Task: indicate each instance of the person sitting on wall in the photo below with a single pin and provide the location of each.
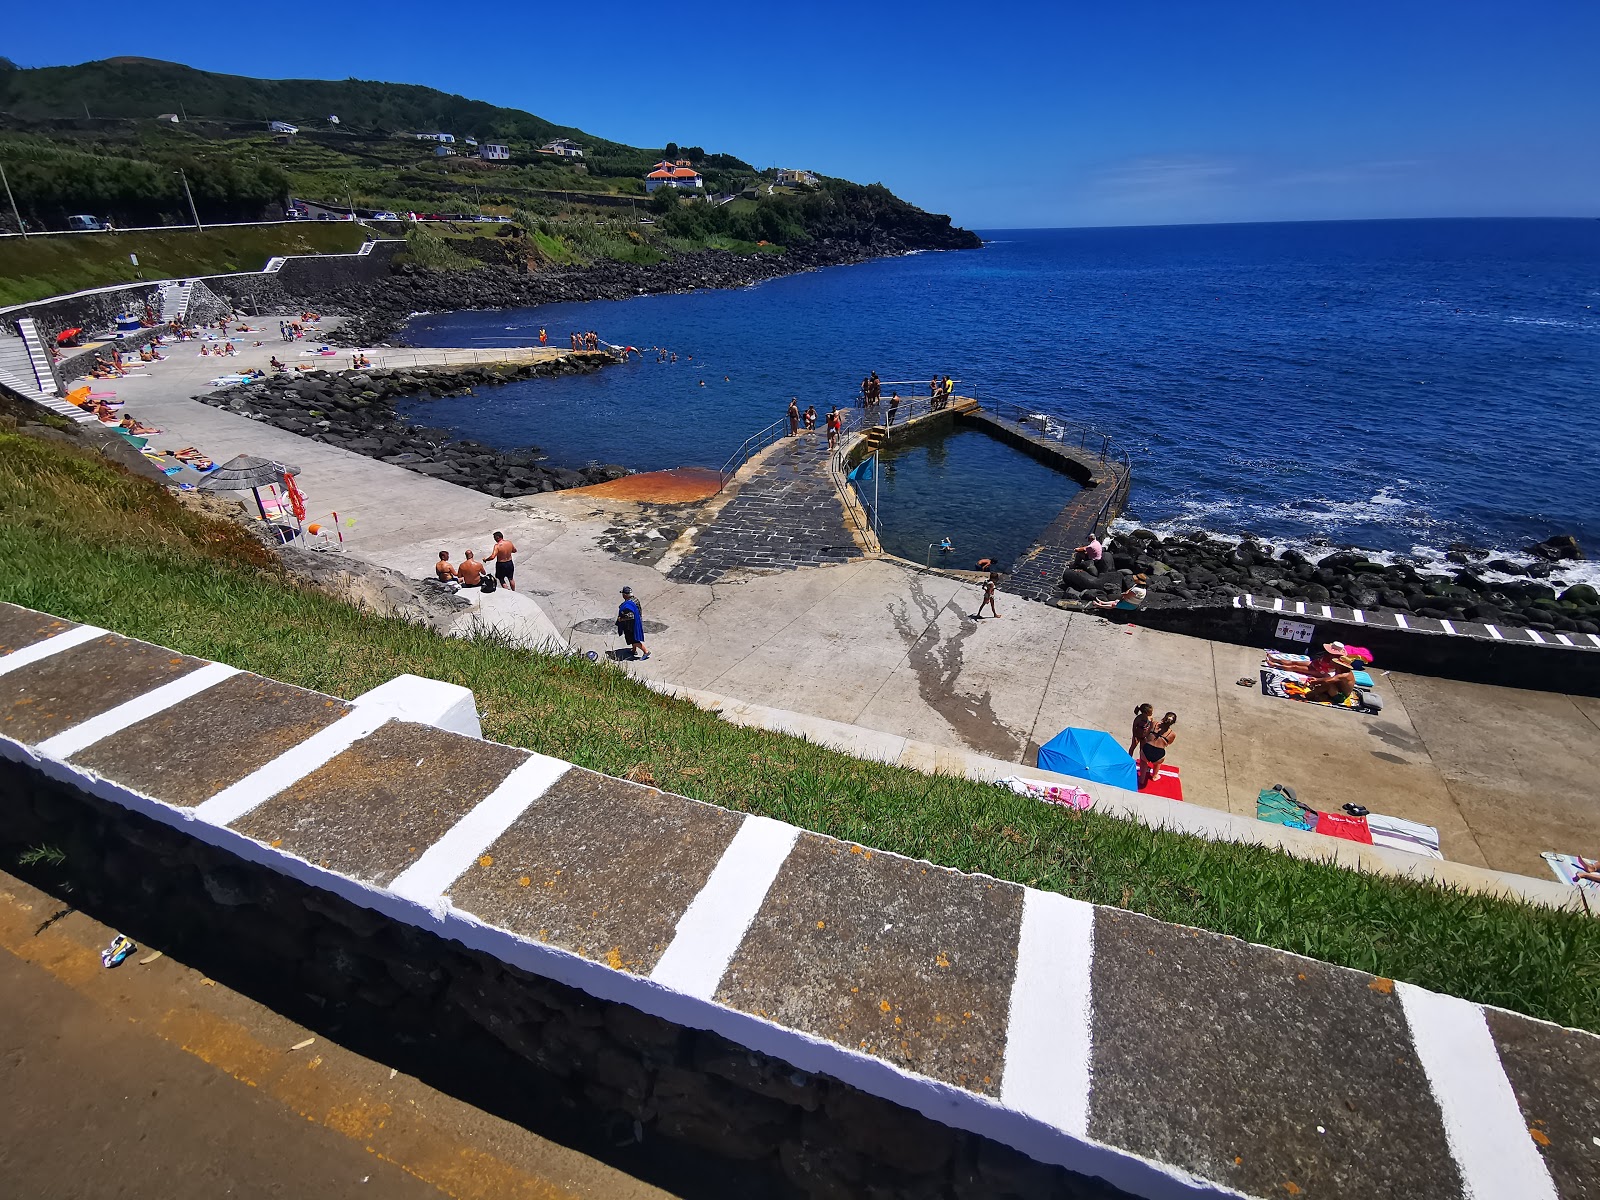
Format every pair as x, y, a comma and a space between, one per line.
1132, 598
1088, 557
443, 570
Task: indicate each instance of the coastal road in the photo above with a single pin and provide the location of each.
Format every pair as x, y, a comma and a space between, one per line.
151, 1082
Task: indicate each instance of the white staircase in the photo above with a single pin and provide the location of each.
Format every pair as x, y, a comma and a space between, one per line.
175, 300
25, 369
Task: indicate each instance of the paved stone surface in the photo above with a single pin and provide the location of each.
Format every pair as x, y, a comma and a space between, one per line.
373, 809
66, 689
20, 627
886, 955
1258, 1069
599, 867
191, 751
787, 514
1553, 1073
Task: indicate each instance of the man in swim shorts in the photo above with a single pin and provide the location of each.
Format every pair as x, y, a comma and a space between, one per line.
443, 569
470, 572
505, 569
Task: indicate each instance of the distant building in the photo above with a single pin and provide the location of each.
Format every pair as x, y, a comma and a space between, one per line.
492, 152
173, 117
282, 127
788, 178
472, 141
332, 120
562, 148
673, 174
447, 138
443, 151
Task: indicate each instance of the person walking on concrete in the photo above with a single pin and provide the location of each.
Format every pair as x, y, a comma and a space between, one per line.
794, 416
989, 586
505, 567
630, 624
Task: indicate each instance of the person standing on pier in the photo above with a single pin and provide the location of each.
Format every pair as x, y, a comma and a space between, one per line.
894, 406
989, 586
630, 624
811, 416
794, 416
505, 567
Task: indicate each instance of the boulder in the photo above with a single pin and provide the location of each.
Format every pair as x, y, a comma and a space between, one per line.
1580, 593
1554, 549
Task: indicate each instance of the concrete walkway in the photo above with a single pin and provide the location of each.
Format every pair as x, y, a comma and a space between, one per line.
1503, 774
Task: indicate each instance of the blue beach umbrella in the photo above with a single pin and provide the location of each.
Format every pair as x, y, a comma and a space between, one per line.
1089, 754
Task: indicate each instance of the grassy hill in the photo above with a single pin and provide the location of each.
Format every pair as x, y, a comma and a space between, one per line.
87, 139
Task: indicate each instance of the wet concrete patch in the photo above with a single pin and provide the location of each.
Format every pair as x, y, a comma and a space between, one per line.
193, 750
20, 627
1553, 1072
1258, 1069
371, 811
885, 955
600, 867
54, 694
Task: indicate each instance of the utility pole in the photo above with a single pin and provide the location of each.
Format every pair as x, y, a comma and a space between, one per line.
21, 227
193, 211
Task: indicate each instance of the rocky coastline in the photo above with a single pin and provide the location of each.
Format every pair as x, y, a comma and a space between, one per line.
355, 410
1197, 569
377, 310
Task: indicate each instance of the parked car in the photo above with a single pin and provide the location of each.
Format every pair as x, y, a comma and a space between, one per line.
385, 216
86, 222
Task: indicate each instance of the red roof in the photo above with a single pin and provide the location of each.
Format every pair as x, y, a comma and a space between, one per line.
686, 173
659, 175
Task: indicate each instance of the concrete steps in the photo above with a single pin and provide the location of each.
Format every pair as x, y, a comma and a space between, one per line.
175, 300
25, 369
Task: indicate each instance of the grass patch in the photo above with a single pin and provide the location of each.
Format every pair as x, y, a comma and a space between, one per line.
145, 565
36, 267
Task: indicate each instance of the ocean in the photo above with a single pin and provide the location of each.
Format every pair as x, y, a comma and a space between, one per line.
1394, 385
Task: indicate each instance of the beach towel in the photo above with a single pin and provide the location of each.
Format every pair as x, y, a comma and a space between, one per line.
1165, 783
1286, 685
1398, 834
1066, 795
1275, 808
1341, 825
1363, 679
1566, 868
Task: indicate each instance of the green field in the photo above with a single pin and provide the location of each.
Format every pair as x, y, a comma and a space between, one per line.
147, 566
36, 267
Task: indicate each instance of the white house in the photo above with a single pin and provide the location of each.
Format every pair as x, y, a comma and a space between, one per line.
471, 141
282, 127
491, 152
562, 148
436, 137
673, 174
792, 178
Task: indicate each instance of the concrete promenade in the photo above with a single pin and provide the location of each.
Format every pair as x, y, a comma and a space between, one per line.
1502, 773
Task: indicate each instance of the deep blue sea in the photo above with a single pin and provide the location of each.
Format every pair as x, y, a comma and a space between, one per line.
1397, 385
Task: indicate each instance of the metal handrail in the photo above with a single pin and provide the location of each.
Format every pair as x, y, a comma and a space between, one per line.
751, 446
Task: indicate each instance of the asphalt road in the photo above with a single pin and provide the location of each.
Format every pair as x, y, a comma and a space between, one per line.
150, 1082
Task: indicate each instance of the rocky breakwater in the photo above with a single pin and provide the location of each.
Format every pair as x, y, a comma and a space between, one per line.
1194, 570
355, 410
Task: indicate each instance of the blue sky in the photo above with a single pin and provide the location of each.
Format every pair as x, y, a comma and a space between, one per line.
1021, 115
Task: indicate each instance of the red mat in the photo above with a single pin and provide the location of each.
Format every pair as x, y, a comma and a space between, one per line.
1166, 784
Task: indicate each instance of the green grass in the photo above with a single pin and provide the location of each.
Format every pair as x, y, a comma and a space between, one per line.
146, 566
36, 267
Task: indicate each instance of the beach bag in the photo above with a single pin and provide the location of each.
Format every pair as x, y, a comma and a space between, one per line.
488, 584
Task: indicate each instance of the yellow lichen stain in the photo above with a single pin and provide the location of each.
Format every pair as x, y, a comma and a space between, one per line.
855, 849
614, 958
1238, 1161
821, 924
1380, 984
1539, 1136
275, 843
1301, 977
525, 881
942, 959
486, 861
867, 854
884, 1005
898, 1021
1291, 1187
855, 989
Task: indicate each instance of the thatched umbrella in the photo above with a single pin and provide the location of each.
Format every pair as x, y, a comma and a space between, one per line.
246, 472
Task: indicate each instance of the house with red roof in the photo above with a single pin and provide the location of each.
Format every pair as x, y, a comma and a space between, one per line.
673, 174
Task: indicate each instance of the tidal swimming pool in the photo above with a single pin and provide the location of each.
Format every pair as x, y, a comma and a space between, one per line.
989, 499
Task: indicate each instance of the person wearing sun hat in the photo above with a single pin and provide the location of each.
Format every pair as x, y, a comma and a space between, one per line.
630, 624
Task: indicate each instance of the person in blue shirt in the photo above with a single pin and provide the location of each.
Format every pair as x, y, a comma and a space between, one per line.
630, 624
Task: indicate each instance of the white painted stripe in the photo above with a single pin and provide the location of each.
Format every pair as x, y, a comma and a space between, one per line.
1277, 604
1563, 639
1534, 634
1483, 1123
290, 767
1593, 638
1448, 628
1048, 1036
115, 720
1359, 617
1300, 607
1401, 622
29, 655
714, 924
441, 864
1327, 612
1495, 633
